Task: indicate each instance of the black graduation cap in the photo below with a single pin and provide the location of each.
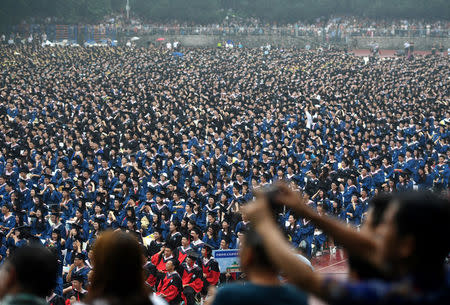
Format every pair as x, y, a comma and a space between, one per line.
99, 220
77, 277
76, 226
25, 231
208, 247
406, 172
80, 256
213, 214
10, 183
192, 255
21, 214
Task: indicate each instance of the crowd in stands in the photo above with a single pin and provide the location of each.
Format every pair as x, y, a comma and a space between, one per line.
333, 29
170, 148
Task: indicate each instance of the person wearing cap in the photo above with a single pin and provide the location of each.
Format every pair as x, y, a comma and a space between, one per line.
7, 220
441, 173
191, 276
17, 237
210, 267
211, 237
54, 223
9, 191
174, 236
24, 194
171, 286
196, 242
182, 251
78, 268
161, 258
77, 293
2, 186
150, 271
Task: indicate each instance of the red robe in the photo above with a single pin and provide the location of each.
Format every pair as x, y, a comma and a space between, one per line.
182, 254
192, 276
160, 262
150, 272
210, 268
171, 287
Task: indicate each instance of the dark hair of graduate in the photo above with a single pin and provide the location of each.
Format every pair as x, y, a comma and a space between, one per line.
118, 275
260, 257
35, 268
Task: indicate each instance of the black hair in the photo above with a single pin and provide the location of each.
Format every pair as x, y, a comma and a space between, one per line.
379, 205
260, 257
36, 269
426, 217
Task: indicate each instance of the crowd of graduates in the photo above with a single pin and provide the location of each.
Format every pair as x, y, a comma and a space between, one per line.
171, 148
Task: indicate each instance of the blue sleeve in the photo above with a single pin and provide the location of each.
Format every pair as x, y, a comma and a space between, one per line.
372, 293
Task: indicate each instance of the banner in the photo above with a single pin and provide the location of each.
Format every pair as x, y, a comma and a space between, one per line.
228, 260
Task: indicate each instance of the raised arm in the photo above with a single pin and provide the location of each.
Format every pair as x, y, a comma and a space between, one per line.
279, 250
357, 243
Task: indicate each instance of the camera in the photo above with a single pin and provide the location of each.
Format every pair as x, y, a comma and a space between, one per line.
271, 192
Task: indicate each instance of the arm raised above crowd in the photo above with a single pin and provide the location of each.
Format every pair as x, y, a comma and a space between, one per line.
280, 251
357, 243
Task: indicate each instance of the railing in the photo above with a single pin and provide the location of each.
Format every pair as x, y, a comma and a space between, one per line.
56, 32
336, 33
288, 31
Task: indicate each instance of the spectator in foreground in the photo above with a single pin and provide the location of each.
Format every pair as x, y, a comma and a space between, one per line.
264, 286
28, 276
409, 226
118, 275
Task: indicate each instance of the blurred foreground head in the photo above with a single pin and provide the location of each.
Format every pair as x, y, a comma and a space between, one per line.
31, 269
118, 276
414, 232
253, 255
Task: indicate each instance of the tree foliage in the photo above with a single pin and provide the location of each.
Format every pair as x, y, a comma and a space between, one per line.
206, 11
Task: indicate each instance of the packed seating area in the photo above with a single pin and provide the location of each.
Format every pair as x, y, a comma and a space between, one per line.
170, 148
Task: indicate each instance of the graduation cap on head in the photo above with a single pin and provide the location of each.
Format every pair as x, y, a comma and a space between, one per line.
213, 214
170, 246
76, 226
208, 247
80, 256
21, 214
406, 172
192, 255
77, 277
123, 171
25, 231
99, 220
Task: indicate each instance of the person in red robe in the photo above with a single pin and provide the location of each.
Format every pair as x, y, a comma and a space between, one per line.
192, 278
170, 288
160, 260
183, 250
210, 268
